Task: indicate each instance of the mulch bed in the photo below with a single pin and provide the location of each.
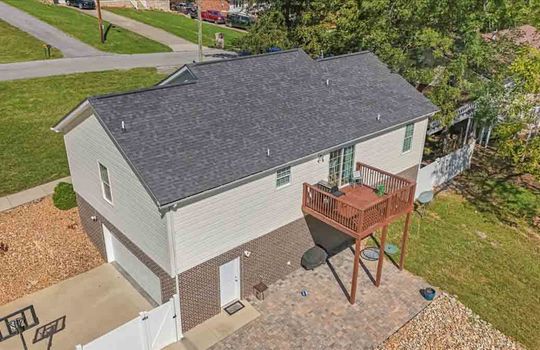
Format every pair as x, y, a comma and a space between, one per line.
448, 324
45, 245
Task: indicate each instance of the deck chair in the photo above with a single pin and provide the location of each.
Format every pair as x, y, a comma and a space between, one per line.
357, 178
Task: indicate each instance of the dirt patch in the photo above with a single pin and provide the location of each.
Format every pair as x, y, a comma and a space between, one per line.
448, 324
42, 246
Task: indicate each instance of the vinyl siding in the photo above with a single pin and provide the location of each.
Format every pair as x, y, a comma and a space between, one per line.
133, 211
214, 225
385, 151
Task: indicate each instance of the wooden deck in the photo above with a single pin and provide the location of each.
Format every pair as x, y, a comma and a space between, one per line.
360, 211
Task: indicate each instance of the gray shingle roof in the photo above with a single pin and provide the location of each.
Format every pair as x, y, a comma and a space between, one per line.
189, 138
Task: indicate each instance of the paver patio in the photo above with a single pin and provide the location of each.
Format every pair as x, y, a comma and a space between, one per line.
325, 319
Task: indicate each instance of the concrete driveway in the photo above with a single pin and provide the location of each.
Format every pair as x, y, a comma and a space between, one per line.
93, 303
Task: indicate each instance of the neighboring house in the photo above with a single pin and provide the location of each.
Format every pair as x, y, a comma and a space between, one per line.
196, 187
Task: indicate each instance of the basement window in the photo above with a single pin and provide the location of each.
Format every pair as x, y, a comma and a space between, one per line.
283, 177
407, 141
105, 183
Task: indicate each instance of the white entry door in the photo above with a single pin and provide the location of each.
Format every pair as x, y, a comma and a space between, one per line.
229, 281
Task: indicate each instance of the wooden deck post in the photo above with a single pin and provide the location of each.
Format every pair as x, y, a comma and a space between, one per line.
404, 240
357, 247
381, 255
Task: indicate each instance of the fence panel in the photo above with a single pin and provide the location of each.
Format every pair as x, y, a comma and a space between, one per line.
152, 330
444, 169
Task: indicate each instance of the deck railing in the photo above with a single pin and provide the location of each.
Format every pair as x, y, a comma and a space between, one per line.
398, 199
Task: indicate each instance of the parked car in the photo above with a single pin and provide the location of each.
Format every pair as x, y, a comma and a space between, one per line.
82, 4
238, 21
213, 16
192, 12
177, 6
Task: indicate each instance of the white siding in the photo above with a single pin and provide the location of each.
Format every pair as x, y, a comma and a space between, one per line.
216, 224
133, 212
384, 152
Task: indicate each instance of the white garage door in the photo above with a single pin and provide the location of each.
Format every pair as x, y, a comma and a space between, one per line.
146, 279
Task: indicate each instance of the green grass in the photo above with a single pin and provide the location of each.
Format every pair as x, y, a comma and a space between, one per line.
32, 154
17, 46
491, 265
85, 28
180, 25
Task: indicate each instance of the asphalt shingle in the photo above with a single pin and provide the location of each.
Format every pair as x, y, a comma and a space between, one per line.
188, 138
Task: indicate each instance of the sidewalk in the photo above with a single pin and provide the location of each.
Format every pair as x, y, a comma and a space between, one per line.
14, 200
61, 66
174, 42
69, 46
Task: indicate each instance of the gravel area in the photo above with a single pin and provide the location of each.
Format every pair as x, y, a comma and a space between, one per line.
448, 324
45, 245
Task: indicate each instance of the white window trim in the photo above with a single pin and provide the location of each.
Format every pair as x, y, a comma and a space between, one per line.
405, 137
99, 164
290, 178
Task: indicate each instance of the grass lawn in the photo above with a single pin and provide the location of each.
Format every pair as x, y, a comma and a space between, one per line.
16, 46
180, 25
492, 263
32, 154
85, 28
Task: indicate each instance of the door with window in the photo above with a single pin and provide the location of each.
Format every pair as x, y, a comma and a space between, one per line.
341, 166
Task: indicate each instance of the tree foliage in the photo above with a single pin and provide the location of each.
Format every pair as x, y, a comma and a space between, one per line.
436, 45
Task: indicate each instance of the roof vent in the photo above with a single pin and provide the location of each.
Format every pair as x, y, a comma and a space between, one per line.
123, 126
327, 82
268, 152
378, 117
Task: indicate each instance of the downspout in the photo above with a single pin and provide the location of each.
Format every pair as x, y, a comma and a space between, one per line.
174, 264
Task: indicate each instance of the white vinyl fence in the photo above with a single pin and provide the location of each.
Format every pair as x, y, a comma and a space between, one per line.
444, 169
152, 330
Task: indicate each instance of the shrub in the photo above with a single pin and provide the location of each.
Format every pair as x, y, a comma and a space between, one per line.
64, 196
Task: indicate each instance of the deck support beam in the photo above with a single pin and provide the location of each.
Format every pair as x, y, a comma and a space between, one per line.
381, 255
404, 240
357, 248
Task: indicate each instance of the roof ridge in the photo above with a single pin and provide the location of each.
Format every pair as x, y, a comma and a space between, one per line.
343, 56
136, 91
297, 49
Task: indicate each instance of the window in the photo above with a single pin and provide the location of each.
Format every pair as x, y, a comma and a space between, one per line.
341, 166
407, 141
105, 183
283, 177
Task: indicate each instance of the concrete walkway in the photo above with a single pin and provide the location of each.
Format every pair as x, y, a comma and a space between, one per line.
90, 304
35, 69
14, 200
69, 46
174, 42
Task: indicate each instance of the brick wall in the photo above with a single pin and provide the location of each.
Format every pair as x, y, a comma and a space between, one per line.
199, 286
94, 231
220, 5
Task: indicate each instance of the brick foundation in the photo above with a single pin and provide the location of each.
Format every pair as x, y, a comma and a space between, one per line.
268, 262
94, 231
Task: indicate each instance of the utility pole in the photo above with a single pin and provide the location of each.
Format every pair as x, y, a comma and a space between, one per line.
199, 16
100, 21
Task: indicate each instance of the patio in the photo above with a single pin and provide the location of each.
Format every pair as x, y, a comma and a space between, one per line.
324, 319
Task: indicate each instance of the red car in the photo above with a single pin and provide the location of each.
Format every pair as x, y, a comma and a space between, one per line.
213, 16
